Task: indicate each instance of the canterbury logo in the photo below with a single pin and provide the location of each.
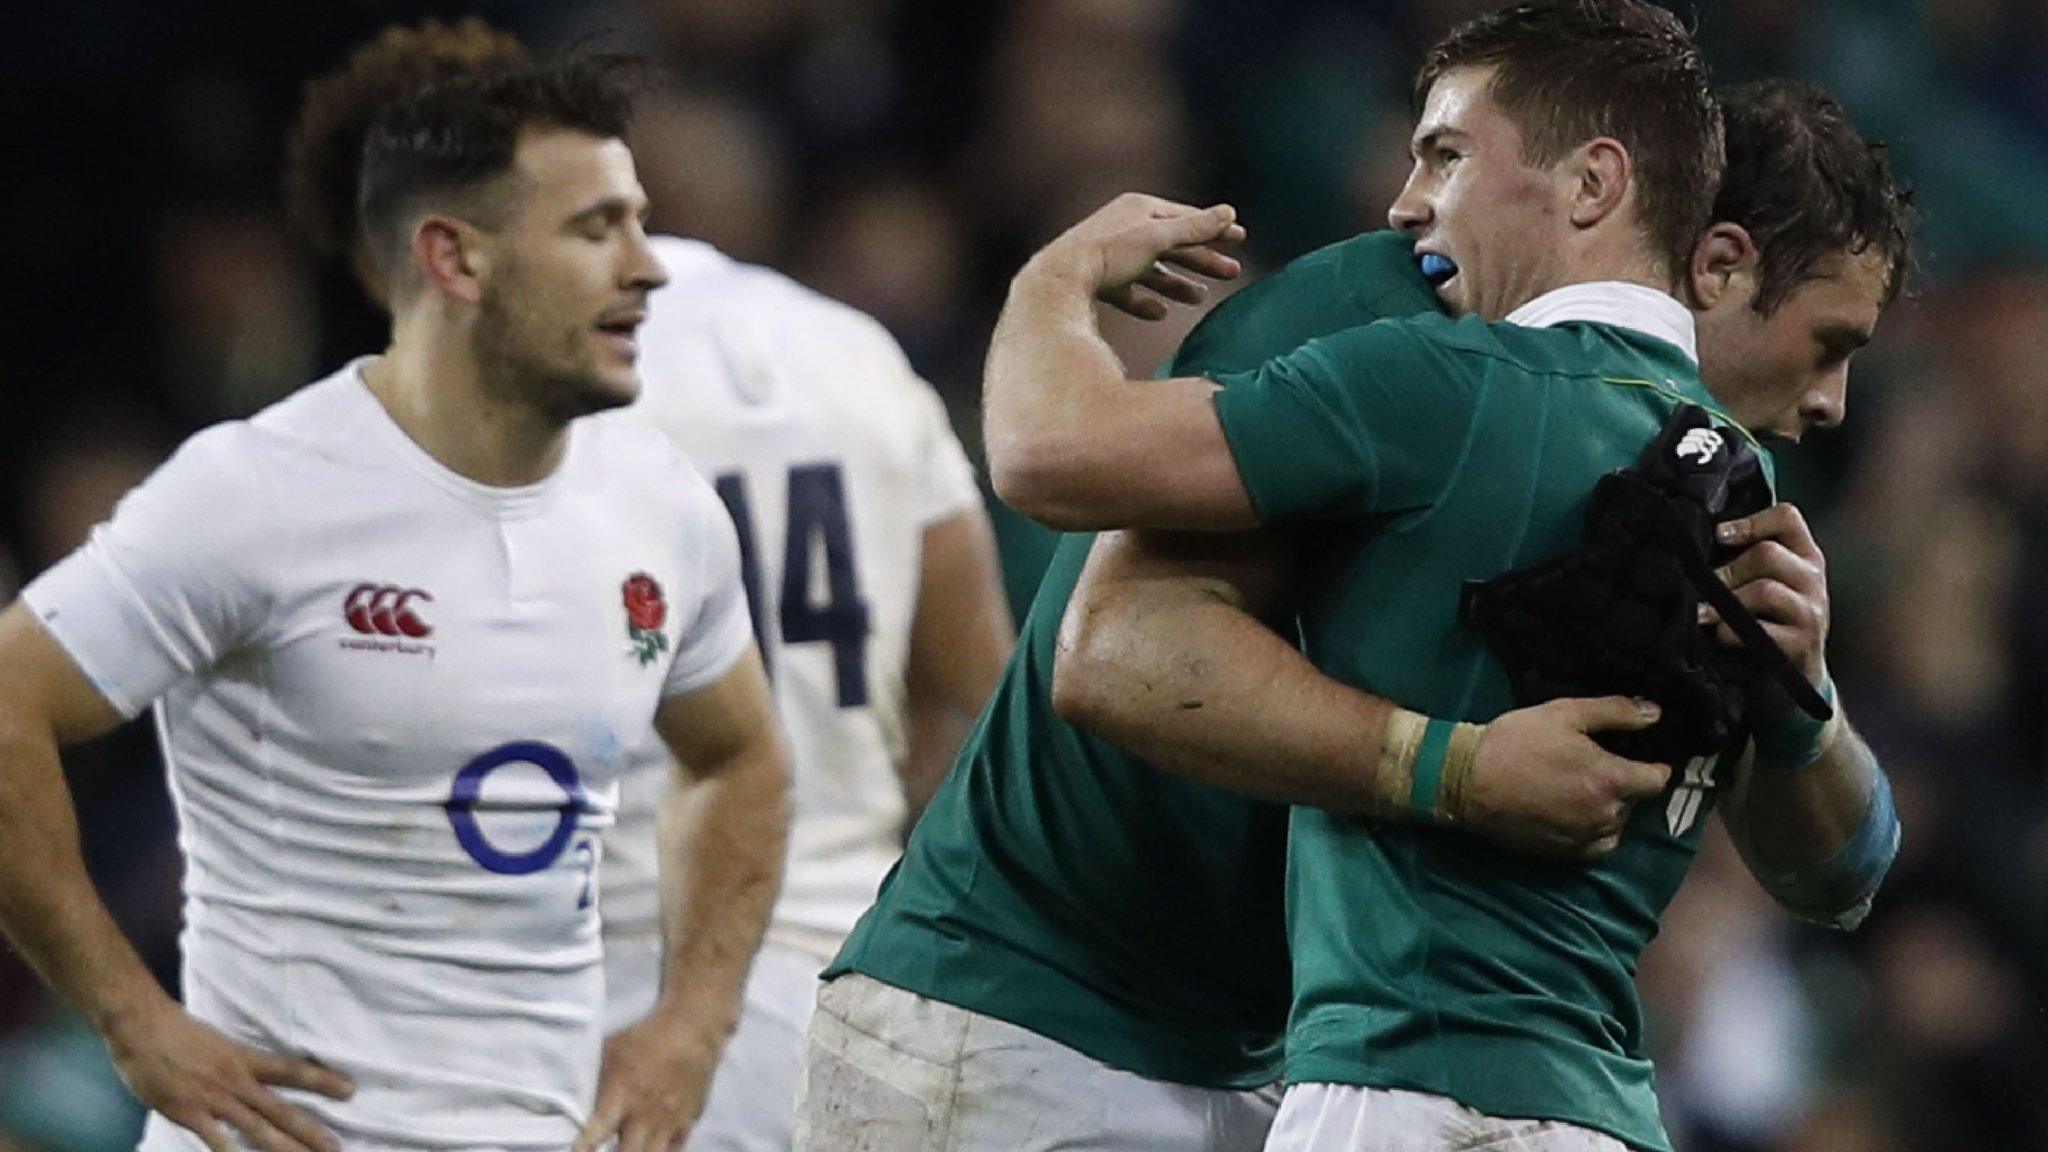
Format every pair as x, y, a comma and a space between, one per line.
1702, 443
386, 610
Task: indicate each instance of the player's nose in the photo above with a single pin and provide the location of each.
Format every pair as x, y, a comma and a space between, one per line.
1410, 211
644, 270
1826, 404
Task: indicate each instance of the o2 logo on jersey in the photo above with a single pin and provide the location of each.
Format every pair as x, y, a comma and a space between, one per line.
386, 610
467, 798
818, 531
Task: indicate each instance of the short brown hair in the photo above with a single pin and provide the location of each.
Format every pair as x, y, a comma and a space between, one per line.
1570, 71
324, 153
452, 139
1805, 183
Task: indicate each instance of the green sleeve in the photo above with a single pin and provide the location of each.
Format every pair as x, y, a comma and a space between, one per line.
1369, 421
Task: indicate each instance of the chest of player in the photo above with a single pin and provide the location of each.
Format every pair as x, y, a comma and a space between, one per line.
406, 654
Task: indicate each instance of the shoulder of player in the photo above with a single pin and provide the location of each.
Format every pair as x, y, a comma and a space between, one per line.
318, 421
1572, 351
1354, 281
630, 454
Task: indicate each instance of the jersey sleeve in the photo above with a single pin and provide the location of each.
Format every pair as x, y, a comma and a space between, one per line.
718, 634
161, 591
1368, 421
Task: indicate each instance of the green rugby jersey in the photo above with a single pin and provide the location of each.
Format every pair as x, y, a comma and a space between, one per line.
1428, 959
1064, 886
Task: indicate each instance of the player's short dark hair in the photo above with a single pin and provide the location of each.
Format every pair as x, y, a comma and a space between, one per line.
324, 152
1570, 71
1805, 183
453, 138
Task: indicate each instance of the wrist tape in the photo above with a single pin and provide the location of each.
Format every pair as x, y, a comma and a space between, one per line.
1425, 768
1796, 739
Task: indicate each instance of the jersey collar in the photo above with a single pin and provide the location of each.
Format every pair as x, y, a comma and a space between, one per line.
1619, 304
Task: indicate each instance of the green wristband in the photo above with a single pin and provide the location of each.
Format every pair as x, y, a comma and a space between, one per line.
1796, 740
1424, 793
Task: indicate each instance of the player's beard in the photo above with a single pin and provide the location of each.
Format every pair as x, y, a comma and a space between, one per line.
515, 362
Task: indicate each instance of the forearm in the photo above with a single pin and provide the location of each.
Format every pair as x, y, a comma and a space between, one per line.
1821, 836
1051, 381
49, 908
960, 641
1076, 445
1194, 684
936, 735
724, 838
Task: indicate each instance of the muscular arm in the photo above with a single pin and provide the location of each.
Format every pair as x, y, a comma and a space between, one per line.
959, 641
176, 1065
1163, 653
1815, 837
1811, 809
1072, 442
48, 905
723, 840
723, 831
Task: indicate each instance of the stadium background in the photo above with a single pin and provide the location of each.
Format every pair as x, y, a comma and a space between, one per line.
905, 155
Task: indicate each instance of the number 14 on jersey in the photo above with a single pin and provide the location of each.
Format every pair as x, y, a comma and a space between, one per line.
818, 534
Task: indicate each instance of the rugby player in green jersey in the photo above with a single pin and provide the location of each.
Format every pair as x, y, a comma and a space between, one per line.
1037, 897
1447, 993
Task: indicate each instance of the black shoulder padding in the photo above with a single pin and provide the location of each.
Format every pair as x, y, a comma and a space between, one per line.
1619, 615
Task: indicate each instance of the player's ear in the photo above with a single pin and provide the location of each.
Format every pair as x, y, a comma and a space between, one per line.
1600, 172
451, 256
1724, 267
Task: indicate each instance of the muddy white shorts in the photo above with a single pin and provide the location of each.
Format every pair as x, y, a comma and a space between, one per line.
891, 1071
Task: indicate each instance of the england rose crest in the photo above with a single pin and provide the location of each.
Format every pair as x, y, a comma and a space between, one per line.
646, 612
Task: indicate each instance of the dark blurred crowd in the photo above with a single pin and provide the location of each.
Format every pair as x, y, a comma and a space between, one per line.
906, 155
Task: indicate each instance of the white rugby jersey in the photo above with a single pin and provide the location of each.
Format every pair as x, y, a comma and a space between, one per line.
832, 457
394, 704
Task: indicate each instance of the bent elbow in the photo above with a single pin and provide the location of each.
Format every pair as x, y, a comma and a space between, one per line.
1083, 680
1062, 482
1019, 481
1077, 691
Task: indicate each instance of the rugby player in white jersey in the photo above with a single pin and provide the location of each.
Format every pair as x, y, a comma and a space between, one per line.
878, 607
400, 630
866, 554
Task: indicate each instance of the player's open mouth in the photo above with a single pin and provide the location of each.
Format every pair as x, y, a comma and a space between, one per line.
622, 329
1436, 268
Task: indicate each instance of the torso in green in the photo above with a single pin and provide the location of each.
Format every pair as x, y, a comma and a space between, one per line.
1059, 884
1427, 959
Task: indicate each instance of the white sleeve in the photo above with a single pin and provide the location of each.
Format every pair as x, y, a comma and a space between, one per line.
715, 639
160, 591
949, 486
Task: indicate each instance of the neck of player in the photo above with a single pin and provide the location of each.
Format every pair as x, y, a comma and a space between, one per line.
438, 394
1599, 256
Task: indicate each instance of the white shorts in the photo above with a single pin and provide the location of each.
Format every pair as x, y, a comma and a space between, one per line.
1348, 1118
891, 1071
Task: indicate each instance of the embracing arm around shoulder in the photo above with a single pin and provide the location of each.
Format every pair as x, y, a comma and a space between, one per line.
1072, 442
1166, 650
